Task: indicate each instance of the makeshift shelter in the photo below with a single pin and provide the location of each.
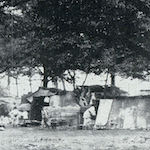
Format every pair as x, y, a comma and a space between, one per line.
130, 113
97, 93
36, 101
123, 112
55, 103
117, 110
64, 109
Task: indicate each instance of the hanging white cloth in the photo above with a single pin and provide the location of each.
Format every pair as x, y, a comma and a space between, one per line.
103, 112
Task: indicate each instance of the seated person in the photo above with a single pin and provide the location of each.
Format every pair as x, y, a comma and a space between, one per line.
89, 117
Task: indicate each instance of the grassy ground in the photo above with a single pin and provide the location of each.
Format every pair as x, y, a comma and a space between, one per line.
45, 139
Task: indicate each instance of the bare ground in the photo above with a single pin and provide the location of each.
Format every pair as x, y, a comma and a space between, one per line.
46, 139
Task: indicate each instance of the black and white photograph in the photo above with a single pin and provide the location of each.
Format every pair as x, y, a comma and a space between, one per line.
74, 74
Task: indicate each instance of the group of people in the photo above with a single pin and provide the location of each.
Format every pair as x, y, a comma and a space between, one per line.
15, 117
18, 116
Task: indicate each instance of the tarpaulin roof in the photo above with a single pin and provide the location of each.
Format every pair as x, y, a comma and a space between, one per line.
45, 92
107, 91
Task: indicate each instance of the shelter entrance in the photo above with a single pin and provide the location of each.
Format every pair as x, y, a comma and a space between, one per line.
36, 108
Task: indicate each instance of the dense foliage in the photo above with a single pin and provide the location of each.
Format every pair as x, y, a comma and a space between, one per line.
63, 35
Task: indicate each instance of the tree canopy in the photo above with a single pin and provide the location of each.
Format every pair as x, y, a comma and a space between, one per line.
92, 36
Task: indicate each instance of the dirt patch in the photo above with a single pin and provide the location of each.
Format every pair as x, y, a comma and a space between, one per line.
37, 139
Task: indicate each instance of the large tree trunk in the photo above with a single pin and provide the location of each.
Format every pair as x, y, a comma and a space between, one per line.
112, 79
85, 79
74, 80
17, 89
55, 82
106, 84
30, 83
8, 83
45, 78
63, 83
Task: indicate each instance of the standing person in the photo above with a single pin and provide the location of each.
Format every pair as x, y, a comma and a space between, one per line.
45, 119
